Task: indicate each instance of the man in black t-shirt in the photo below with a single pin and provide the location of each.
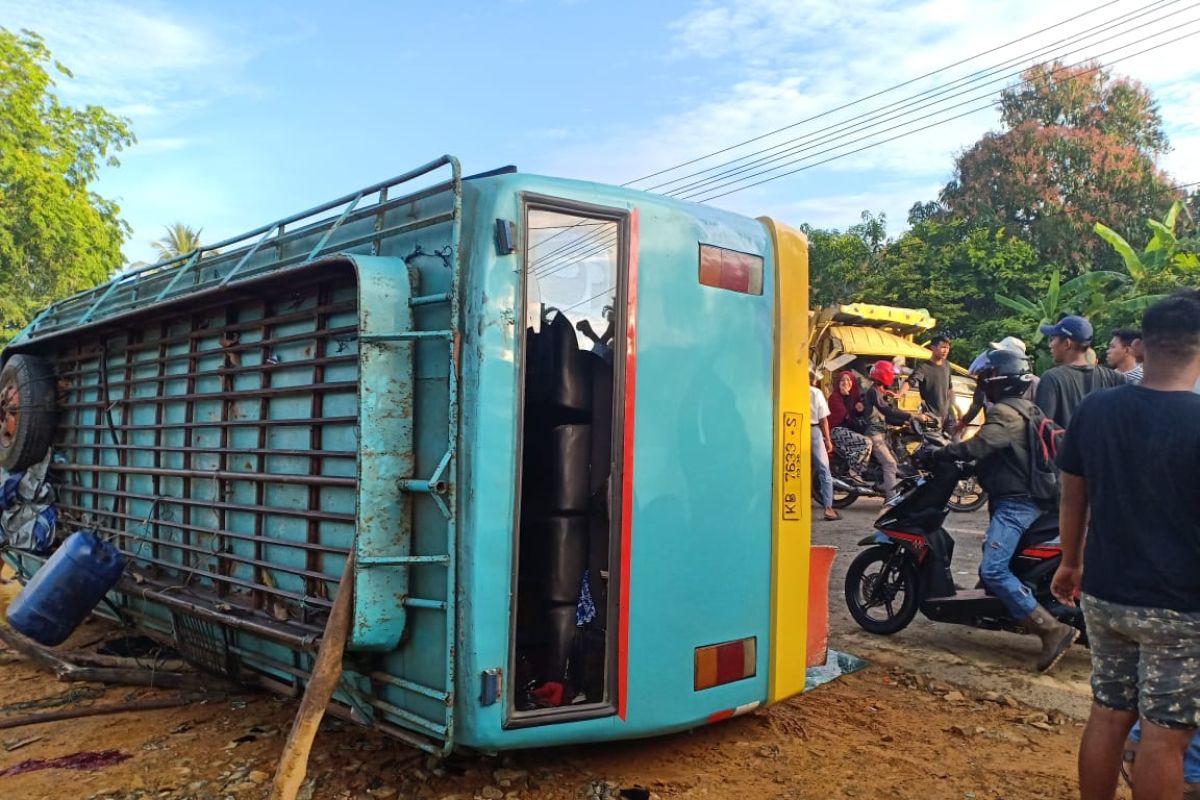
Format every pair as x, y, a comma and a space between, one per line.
932, 379
1134, 501
1063, 387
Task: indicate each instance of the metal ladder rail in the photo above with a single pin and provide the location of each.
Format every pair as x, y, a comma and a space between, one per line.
94, 299
443, 493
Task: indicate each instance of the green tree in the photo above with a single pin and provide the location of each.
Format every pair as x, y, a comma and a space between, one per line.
177, 240
1112, 298
57, 236
840, 261
953, 268
1077, 147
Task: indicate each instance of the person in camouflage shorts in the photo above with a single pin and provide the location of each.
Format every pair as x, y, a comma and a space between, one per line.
1130, 528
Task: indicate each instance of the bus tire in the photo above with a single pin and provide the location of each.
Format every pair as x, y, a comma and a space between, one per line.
27, 411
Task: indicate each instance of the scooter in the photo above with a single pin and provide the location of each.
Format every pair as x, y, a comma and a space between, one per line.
906, 566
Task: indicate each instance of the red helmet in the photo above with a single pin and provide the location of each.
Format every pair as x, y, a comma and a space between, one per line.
883, 372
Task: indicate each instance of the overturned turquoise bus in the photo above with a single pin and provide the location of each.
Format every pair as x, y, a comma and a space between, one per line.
561, 426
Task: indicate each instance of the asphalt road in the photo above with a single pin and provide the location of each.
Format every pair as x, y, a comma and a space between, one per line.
982, 660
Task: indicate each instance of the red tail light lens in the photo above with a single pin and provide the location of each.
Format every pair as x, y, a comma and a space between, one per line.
730, 269
719, 664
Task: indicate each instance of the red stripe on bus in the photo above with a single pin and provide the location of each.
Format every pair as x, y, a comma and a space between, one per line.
720, 715
627, 466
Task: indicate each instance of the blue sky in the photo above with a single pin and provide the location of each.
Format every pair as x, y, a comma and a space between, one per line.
248, 111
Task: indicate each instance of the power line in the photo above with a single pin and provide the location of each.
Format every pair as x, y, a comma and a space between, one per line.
873, 96
580, 252
598, 246
823, 136
884, 141
854, 124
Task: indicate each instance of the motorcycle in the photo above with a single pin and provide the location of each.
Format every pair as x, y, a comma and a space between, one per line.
905, 442
906, 566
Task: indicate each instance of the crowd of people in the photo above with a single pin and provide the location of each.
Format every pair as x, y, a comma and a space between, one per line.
1124, 476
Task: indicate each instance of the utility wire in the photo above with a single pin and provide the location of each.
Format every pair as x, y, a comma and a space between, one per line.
578, 250
1098, 67
874, 95
698, 188
600, 246
878, 116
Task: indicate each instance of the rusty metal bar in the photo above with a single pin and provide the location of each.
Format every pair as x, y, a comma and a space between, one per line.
249, 368
278, 391
189, 430
204, 333
233, 581
348, 330
409, 717
422, 602
315, 441
220, 554
264, 628
179, 273
429, 299
372, 189
330, 516
321, 244
249, 254
415, 688
303, 480
245, 537
381, 209
266, 451
241, 423
160, 389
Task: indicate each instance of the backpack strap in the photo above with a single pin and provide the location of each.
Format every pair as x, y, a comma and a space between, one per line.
1016, 404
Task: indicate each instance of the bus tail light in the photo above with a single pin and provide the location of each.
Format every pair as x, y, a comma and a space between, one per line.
719, 664
730, 269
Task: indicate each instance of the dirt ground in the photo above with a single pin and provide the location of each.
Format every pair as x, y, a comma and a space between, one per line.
942, 713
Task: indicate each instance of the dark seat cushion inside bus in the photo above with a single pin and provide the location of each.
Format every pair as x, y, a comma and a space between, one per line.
561, 620
566, 557
570, 471
570, 382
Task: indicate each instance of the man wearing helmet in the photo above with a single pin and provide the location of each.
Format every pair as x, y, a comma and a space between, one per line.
879, 410
1004, 466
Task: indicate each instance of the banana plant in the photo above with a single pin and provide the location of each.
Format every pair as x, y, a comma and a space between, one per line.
1160, 260
1088, 294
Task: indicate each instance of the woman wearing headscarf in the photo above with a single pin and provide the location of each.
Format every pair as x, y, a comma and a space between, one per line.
846, 423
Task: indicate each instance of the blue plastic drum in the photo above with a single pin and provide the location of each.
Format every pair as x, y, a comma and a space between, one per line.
64, 591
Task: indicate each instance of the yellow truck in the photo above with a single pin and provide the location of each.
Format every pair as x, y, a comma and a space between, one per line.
856, 335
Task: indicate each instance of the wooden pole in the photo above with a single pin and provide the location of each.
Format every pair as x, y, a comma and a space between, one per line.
95, 711
327, 670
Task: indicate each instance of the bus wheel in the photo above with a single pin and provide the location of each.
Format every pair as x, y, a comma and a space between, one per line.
27, 409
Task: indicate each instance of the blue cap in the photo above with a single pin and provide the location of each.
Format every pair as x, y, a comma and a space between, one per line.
1077, 329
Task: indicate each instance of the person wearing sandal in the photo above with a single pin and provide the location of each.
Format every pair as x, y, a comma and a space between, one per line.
822, 448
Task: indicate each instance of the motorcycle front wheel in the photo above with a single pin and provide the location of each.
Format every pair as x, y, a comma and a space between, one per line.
968, 496
881, 589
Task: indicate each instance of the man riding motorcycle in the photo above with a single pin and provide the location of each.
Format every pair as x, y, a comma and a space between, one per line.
1004, 467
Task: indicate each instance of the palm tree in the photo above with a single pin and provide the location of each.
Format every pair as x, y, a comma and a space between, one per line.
178, 240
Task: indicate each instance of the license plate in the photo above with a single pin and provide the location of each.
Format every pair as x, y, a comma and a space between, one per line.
795, 428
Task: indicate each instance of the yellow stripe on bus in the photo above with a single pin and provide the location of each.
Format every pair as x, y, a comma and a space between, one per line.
792, 512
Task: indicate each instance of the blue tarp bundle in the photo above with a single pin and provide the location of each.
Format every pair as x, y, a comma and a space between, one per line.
27, 514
